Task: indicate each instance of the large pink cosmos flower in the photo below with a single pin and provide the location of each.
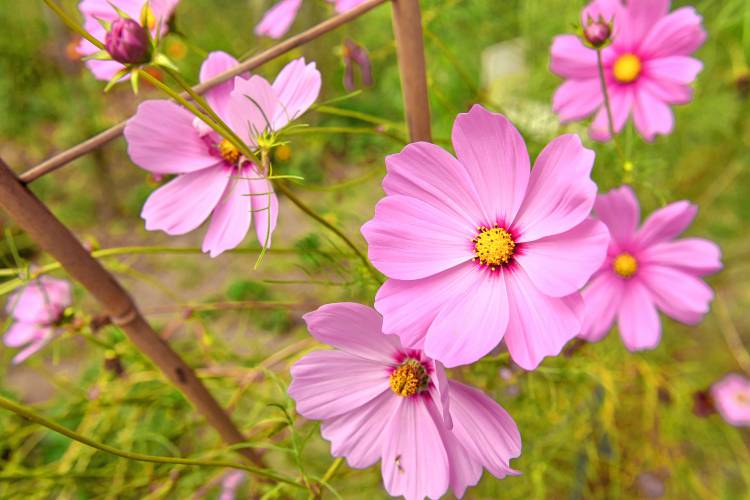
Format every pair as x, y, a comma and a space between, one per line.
646, 270
731, 396
35, 309
478, 249
160, 12
647, 67
213, 179
279, 18
379, 400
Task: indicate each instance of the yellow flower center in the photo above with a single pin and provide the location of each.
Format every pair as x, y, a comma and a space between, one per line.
409, 378
230, 153
493, 246
627, 68
625, 265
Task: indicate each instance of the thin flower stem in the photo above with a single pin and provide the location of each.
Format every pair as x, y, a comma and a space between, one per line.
30, 414
732, 337
309, 211
607, 106
72, 24
332, 470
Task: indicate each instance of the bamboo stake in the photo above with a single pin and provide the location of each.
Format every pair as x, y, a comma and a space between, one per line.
57, 240
407, 28
67, 156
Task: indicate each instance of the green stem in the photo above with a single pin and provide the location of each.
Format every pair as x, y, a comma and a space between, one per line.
72, 24
309, 211
29, 414
607, 106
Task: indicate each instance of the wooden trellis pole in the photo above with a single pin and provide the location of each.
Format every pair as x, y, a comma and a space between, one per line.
52, 236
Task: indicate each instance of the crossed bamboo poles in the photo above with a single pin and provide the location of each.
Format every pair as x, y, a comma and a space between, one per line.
57, 240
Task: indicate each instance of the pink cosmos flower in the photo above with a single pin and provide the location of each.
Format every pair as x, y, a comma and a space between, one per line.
160, 13
278, 19
35, 309
731, 397
479, 249
646, 68
379, 400
646, 271
213, 179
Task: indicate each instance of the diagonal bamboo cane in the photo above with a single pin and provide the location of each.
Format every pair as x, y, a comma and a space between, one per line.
57, 240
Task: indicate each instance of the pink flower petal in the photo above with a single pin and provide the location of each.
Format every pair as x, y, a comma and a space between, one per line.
471, 324
265, 206
601, 299
680, 295
252, 107
677, 69
577, 99
355, 329
425, 298
161, 138
358, 434
21, 333
730, 395
621, 101
218, 97
562, 264
666, 90
693, 255
495, 156
345, 5
678, 33
43, 337
485, 429
409, 239
231, 217
184, 203
296, 87
415, 462
620, 211
560, 193
326, 384
465, 470
278, 19
425, 171
642, 16
651, 115
539, 325
40, 301
571, 59
609, 10
637, 318
666, 223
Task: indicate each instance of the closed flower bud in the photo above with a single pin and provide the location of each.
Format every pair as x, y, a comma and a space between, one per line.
597, 33
127, 42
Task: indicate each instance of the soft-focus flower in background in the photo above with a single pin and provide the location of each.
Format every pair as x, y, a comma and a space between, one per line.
731, 397
647, 270
355, 55
647, 67
380, 401
278, 19
478, 249
213, 179
157, 14
35, 309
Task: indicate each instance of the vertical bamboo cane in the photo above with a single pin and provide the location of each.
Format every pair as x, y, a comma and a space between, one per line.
52, 236
407, 27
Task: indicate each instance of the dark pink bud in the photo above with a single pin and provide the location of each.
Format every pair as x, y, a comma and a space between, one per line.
127, 42
597, 33
356, 55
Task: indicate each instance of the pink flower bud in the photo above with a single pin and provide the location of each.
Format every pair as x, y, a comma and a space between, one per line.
127, 42
597, 33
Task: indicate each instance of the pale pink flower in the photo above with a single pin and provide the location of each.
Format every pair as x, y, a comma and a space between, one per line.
35, 309
646, 68
278, 19
731, 396
646, 271
381, 401
213, 179
230, 484
478, 249
160, 13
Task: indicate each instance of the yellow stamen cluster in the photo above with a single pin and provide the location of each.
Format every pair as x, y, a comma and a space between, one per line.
625, 265
409, 378
627, 68
230, 153
493, 246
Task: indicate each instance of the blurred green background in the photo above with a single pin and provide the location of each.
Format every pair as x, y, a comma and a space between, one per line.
597, 422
